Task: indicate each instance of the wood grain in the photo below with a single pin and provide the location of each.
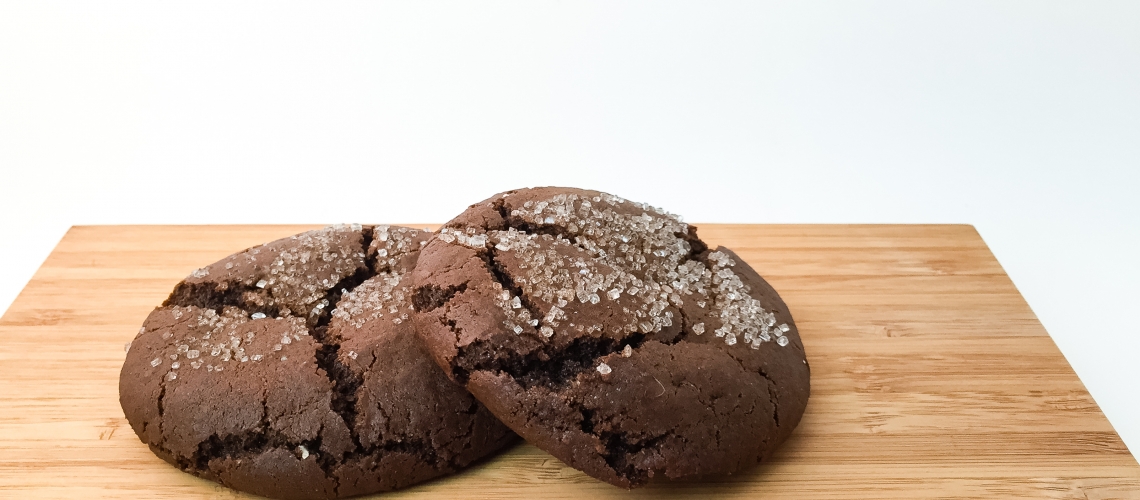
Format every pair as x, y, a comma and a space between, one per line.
931, 377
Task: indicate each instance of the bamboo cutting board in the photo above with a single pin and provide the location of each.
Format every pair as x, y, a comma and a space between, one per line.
931, 377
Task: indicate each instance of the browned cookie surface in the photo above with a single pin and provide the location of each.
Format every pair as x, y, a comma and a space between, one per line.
292, 370
606, 333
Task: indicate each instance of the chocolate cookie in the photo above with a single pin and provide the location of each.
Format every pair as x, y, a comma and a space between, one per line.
291, 370
606, 333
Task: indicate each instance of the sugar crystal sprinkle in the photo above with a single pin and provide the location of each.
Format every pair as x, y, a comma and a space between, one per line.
127, 347
627, 352
782, 341
155, 362
262, 283
171, 376
604, 369
652, 270
257, 315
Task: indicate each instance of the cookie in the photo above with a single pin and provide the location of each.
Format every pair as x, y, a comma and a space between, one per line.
291, 370
606, 333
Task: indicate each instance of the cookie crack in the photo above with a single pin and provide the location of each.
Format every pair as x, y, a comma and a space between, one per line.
471, 410
707, 404
620, 447
346, 382
161, 406
379, 405
421, 449
697, 248
246, 444
501, 275
207, 295
553, 370
250, 442
686, 326
430, 297
346, 284
772, 398
371, 259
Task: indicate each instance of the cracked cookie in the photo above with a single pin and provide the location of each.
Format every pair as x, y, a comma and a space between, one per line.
606, 333
292, 370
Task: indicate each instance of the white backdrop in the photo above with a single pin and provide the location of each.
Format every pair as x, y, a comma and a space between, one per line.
1022, 118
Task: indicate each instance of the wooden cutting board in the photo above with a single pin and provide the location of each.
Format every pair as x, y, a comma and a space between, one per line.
931, 377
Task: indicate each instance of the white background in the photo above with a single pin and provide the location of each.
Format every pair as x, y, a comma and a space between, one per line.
1022, 118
